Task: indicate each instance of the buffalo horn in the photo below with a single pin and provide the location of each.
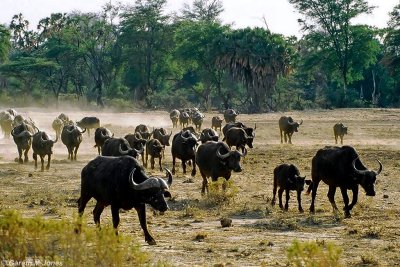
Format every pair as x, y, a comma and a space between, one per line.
301, 122
83, 131
244, 153
123, 152
169, 175
354, 167
255, 126
149, 183
222, 156
380, 167
184, 138
140, 151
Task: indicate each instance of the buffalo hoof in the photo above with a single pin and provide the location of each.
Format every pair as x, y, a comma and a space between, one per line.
47, 168
42, 169
347, 214
301, 210
20, 161
151, 242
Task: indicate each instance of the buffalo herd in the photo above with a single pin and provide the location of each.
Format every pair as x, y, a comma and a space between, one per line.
117, 178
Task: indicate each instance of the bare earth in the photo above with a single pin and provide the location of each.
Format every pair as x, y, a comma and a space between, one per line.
190, 234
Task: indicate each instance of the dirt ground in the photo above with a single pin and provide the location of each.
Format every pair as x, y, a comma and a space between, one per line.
190, 233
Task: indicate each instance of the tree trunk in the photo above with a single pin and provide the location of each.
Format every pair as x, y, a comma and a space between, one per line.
375, 95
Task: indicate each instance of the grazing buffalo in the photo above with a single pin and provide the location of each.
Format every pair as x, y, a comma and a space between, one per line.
184, 119
6, 120
89, 123
42, 145
238, 137
341, 167
71, 136
144, 131
287, 127
208, 135
137, 142
216, 122
197, 119
215, 160
249, 131
339, 130
230, 115
100, 136
287, 177
119, 147
174, 116
22, 135
122, 183
183, 147
155, 149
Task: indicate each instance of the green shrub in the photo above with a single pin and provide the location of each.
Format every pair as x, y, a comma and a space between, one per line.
221, 192
313, 254
39, 240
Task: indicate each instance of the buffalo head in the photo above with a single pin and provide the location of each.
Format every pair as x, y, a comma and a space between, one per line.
366, 178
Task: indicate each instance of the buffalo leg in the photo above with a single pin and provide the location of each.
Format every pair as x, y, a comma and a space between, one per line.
299, 201
315, 184
274, 194
82, 201
287, 199
26, 155
159, 163
204, 188
336, 137
290, 137
173, 165
98, 209
146, 159
355, 197
42, 163
280, 192
331, 197
184, 166
281, 136
341, 139
194, 168
115, 216
141, 211
346, 202
35, 159
48, 161
20, 155
152, 162
76, 151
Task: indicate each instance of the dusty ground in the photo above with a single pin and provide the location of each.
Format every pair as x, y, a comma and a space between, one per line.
190, 232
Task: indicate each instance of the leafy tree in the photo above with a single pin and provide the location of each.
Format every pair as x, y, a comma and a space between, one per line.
330, 22
4, 43
203, 10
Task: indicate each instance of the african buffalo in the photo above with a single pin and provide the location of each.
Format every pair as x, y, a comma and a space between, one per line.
174, 116
144, 131
249, 130
216, 122
197, 119
154, 148
161, 135
184, 119
57, 126
230, 115
100, 136
237, 137
42, 145
22, 135
71, 136
339, 130
287, 127
215, 160
183, 147
208, 135
137, 142
122, 183
341, 167
89, 123
287, 177
119, 147
6, 121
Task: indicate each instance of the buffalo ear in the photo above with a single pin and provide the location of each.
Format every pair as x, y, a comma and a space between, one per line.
308, 182
167, 194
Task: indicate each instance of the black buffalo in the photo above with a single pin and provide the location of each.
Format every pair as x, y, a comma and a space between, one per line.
184, 119
22, 135
215, 160
174, 116
183, 147
155, 149
89, 123
42, 145
249, 130
71, 136
216, 122
287, 178
341, 167
119, 147
208, 135
161, 135
122, 183
339, 130
137, 142
197, 119
144, 131
287, 127
238, 137
230, 115
100, 136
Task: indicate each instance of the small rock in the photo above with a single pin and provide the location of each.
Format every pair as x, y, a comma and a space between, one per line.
270, 244
226, 222
385, 196
30, 174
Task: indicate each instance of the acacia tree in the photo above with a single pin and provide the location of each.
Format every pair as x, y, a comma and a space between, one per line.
330, 21
202, 10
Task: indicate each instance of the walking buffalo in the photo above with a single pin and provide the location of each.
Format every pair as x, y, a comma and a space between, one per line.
42, 145
122, 183
183, 147
6, 120
230, 115
237, 137
287, 127
137, 142
341, 167
174, 116
249, 131
22, 135
71, 136
184, 119
197, 119
339, 130
144, 131
215, 160
155, 149
161, 135
100, 136
208, 135
287, 177
216, 122
89, 123
119, 147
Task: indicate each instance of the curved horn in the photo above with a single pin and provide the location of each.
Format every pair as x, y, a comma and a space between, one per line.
83, 131
123, 152
301, 122
184, 138
149, 183
139, 151
17, 135
354, 167
255, 126
222, 156
209, 136
169, 175
244, 153
380, 168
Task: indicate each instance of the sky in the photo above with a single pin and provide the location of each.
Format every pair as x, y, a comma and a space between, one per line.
279, 15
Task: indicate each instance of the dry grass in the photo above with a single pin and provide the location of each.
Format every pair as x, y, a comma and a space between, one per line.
261, 234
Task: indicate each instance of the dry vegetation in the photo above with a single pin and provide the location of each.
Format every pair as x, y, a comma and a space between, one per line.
190, 233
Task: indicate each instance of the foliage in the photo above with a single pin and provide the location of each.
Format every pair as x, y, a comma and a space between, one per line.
221, 192
40, 240
313, 254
